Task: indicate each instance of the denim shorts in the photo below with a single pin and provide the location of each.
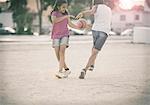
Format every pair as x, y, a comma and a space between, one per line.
99, 39
61, 41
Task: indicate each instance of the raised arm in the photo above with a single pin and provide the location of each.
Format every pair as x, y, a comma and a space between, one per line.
87, 12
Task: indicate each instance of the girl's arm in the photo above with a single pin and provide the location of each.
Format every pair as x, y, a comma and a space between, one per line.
58, 19
72, 25
87, 12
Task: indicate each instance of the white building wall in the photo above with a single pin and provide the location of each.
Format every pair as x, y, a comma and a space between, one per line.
146, 19
119, 25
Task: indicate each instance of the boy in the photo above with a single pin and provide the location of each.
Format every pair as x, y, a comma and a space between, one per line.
100, 30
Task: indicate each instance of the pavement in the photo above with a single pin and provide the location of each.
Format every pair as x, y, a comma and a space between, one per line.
46, 38
28, 66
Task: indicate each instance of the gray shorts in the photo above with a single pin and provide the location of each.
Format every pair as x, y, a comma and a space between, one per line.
61, 41
99, 39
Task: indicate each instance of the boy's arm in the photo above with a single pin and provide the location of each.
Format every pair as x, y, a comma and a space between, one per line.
88, 26
87, 12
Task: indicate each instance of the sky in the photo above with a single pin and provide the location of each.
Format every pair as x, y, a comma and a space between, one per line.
128, 4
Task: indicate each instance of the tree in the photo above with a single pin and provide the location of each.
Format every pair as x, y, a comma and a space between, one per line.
21, 16
79, 5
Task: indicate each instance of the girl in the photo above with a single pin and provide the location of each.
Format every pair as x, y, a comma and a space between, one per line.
60, 34
100, 29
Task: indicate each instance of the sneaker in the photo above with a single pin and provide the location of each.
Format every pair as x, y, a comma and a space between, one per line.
82, 75
91, 68
66, 73
60, 75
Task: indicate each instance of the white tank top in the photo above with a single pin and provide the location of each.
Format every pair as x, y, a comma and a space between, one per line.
102, 19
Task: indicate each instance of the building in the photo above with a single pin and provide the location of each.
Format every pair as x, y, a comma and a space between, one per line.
33, 5
122, 20
127, 19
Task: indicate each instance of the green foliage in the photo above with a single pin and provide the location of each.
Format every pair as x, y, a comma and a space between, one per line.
18, 4
75, 6
52, 2
21, 16
78, 6
74, 10
24, 21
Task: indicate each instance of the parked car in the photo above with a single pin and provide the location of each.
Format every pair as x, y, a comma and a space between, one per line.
7, 31
127, 32
111, 33
85, 32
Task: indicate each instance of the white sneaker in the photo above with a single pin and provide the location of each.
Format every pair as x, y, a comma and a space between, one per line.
82, 75
60, 75
66, 73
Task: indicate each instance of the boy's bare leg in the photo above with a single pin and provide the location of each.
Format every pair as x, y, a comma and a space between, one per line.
92, 58
90, 62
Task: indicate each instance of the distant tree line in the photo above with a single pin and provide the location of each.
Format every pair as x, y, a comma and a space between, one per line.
23, 18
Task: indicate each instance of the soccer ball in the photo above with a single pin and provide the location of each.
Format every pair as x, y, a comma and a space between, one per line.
81, 23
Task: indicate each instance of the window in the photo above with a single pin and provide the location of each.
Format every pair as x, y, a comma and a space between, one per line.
137, 17
122, 17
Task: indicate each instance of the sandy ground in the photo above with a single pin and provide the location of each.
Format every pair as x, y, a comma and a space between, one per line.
121, 75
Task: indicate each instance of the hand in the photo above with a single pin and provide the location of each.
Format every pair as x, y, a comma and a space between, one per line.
88, 26
80, 15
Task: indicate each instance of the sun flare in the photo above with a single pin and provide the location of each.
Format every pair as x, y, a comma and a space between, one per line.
128, 4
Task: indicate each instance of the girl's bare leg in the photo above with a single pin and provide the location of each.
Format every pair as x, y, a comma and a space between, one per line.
57, 49
62, 63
